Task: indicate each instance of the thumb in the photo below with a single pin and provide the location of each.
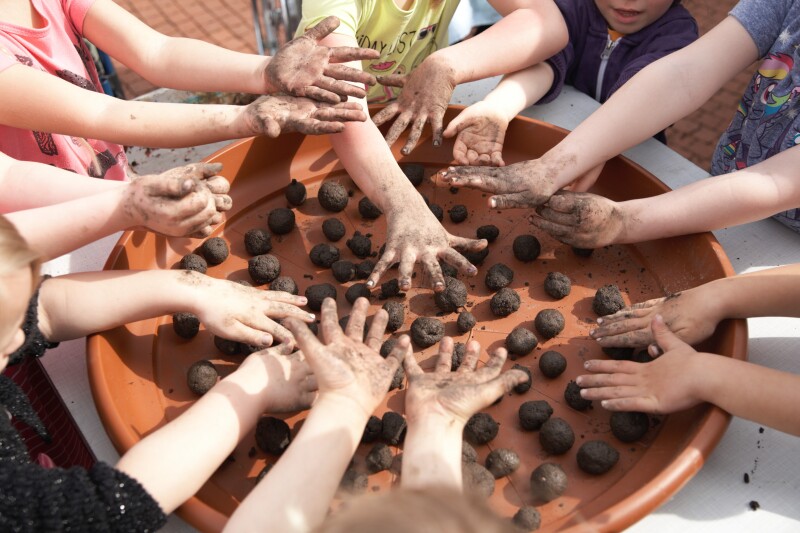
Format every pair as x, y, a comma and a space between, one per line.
209, 170
455, 125
174, 186
665, 339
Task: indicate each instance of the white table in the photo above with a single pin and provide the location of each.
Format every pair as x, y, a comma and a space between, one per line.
716, 499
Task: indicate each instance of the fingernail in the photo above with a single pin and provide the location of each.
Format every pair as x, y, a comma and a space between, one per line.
592, 332
439, 285
437, 143
582, 391
587, 364
312, 316
370, 284
492, 203
303, 300
472, 271
604, 404
599, 320
266, 340
578, 381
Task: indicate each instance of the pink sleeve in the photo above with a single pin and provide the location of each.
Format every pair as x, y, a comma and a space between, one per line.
75, 11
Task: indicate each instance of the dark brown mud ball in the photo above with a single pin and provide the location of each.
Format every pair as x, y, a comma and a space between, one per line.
372, 431
257, 241
629, 426
360, 245
324, 254
448, 270
333, 196
397, 315
527, 519
201, 376
459, 350
364, 269
280, 221
552, 364
354, 482
556, 436
315, 294
264, 268
397, 379
549, 322
477, 479
481, 428
582, 252
557, 285
356, 291
390, 289
525, 386
379, 458
642, 357
502, 462
504, 302
284, 284
295, 193
437, 211
468, 453
533, 414
387, 347
607, 300
572, 395
465, 322
458, 213
272, 435
215, 250
452, 297
426, 331
521, 341
186, 325
498, 276
526, 248
414, 172
343, 271
597, 457
227, 346
490, 232
368, 210
393, 430
193, 262
548, 482
619, 353
476, 258
333, 229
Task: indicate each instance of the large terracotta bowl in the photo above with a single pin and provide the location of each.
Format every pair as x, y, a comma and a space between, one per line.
138, 371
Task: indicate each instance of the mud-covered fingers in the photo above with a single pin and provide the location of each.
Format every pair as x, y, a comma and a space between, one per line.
414, 134
445, 358
406, 269
281, 296
493, 367
349, 74
643, 404
393, 80
311, 126
437, 126
434, 270
563, 201
620, 326
515, 200
341, 88
274, 309
358, 317
559, 217
278, 332
384, 263
306, 341
399, 353
319, 94
471, 355
376, 330
600, 380
497, 159
462, 264
564, 234
256, 332
491, 390
410, 363
329, 322
398, 127
321, 30
386, 114
345, 112
464, 244
610, 366
222, 202
632, 339
344, 54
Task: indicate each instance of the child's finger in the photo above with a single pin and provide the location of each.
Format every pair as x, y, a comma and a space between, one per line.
632, 339
325, 27
436, 119
563, 201
463, 244
217, 185
385, 114
345, 54
284, 310
610, 366
414, 134
615, 379
516, 200
320, 95
281, 296
384, 263
490, 391
664, 337
620, 327
462, 264
630, 404
410, 363
434, 270
445, 358
209, 170
564, 234
471, 355
393, 80
340, 88
306, 341
377, 329
311, 126
497, 159
345, 73
329, 322
494, 366
398, 354
559, 217
358, 317
397, 129
340, 113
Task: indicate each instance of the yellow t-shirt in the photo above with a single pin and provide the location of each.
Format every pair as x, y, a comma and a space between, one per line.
404, 38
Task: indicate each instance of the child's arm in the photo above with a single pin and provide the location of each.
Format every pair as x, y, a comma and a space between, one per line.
682, 378
352, 379
76, 305
522, 38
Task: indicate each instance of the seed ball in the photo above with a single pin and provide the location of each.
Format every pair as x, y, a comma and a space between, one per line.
459, 350
194, 262
426, 331
343, 271
257, 241
582, 252
333, 196
465, 322
476, 258
533, 414
379, 458
390, 289
489, 232
356, 291
296, 193
281, 220
481, 428
360, 245
333, 229
264, 268
354, 482
448, 270
387, 347
526, 248
373, 429
498, 276
525, 386
629, 426
186, 325
437, 211
477, 480
504, 302
607, 300
552, 364
458, 213
368, 210
364, 269
227, 346
572, 395
397, 379
549, 322
315, 294
215, 250
452, 297
272, 435
619, 353
394, 428
324, 254
557, 285
397, 315
527, 519
521, 341
468, 453
414, 172
556, 436
202, 375
284, 284
548, 482
597, 457
502, 462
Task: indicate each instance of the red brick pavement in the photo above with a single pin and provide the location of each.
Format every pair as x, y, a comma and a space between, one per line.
229, 24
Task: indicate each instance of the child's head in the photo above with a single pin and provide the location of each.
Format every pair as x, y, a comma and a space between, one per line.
630, 16
17, 266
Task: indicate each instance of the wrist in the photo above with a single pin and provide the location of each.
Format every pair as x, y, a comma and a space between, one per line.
262, 74
721, 298
345, 407
442, 61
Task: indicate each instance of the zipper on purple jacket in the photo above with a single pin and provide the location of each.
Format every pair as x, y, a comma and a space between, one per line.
604, 55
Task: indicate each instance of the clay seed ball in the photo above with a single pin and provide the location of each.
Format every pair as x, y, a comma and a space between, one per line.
448, 270
582, 252
333, 196
372, 430
379, 458
360, 245
264, 268
476, 258
490, 232
504, 302
552, 364
465, 322
498, 276
607, 300
414, 172
227, 346
526, 248
459, 349
284, 284
343, 271
501, 462
556, 436
296, 193
477, 480
272, 435
397, 379
597, 457
452, 297
437, 211
525, 386
458, 213
257, 241
368, 210
193, 262
356, 291
397, 315
548, 482
324, 254
521, 341
557, 285
186, 325
354, 482
394, 428
426, 331
481, 428
215, 250
315, 294
533, 414
572, 395
468, 453
364, 269
618, 353
387, 347
280, 220
629, 426
201, 376
390, 288
549, 322
333, 229
527, 519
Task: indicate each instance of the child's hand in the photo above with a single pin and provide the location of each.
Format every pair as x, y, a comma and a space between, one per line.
348, 369
481, 131
672, 382
581, 219
426, 93
304, 68
456, 396
273, 115
290, 384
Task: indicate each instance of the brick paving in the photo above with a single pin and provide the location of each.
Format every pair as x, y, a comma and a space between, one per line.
229, 23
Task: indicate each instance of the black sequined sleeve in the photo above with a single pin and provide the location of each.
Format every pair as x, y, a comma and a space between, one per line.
35, 344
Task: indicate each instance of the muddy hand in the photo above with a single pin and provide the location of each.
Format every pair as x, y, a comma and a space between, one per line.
480, 132
273, 115
424, 98
291, 385
302, 67
582, 220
